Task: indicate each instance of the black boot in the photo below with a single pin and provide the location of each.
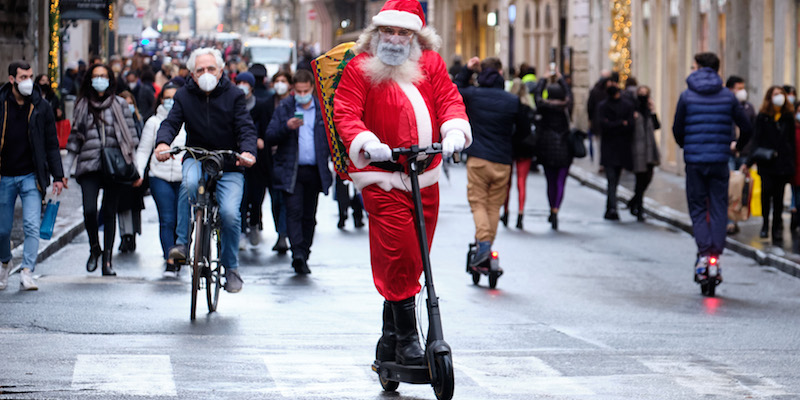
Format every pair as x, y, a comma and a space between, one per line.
764, 229
553, 220
107, 268
519, 221
504, 218
408, 350
94, 254
388, 341
281, 246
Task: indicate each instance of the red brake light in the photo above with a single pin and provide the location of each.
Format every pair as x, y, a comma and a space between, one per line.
712, 260
494, 255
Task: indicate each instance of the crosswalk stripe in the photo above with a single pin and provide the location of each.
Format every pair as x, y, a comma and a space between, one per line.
721, 381
134, 375
515, 375
298, 374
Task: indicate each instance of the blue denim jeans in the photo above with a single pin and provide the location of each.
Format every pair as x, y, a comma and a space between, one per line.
167, 197
25, 187
230, 189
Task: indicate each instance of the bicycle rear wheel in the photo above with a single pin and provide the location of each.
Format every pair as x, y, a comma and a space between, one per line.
197, 259
215, 273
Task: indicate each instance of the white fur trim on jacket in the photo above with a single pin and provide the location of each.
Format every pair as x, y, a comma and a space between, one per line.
400, 19
421, 113
394, 180
457, 124
355, 153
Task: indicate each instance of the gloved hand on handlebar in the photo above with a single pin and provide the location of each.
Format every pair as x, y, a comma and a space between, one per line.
454, 142
378, 151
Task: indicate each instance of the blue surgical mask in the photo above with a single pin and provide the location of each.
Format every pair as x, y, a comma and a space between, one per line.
304, 99
132, 108
168, 103
100, 84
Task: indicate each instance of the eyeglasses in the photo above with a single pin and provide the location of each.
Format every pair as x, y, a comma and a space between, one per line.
386, 30
211, 70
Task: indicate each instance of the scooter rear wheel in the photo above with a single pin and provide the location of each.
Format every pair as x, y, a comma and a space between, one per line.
387, 385
708, 288
493, 279
444, 383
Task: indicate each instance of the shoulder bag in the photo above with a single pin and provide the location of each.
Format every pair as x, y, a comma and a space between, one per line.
113, 163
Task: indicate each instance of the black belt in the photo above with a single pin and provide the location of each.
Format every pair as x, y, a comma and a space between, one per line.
422, 165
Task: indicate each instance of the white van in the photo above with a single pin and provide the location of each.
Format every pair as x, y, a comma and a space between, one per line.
273, 53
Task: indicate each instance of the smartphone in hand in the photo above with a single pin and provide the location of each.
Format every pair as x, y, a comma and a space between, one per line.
298, 115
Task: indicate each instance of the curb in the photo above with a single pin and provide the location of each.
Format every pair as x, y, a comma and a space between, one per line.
682, 221
65, 233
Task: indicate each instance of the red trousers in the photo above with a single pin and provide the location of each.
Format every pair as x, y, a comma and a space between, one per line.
393, 245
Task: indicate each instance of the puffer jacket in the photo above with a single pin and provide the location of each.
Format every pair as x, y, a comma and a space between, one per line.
84, 141
703, 119
778, 136
170, 170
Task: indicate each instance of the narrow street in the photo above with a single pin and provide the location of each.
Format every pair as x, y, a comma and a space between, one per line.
598, 310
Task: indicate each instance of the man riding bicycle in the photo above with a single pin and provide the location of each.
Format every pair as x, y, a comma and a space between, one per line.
215, 116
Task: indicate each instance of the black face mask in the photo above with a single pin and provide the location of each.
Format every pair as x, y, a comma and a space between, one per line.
644, 102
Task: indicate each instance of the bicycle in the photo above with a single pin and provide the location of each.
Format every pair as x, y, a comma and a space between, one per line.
205, 248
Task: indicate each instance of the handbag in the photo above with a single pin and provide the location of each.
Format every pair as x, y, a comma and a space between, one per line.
49, 220
576, 144
763, 154
113, 163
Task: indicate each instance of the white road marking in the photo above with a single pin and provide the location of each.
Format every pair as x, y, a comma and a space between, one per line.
135, 375
515, 375
718, 381
298, 375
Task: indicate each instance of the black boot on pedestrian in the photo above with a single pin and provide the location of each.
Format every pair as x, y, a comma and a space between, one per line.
408, 351
764, 229
519, 221
553, 221
611, 215
388, 340
340, 225
504, 218
281, 246
94, 255
108, 270
358, 220
777, 233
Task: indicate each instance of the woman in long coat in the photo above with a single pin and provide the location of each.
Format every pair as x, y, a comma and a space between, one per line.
645, 150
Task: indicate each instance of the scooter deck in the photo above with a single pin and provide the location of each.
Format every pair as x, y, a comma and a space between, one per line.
392, 371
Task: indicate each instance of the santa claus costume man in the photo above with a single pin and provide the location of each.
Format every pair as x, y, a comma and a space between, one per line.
396, 93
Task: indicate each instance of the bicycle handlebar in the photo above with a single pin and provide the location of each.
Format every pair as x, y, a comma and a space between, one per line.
198, 152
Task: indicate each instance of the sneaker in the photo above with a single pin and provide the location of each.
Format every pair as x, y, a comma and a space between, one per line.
5, 269
171, 272
26, 281
177, 252
254, 235
233, 282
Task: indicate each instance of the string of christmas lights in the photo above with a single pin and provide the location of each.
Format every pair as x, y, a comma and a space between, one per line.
620, 49
55, 43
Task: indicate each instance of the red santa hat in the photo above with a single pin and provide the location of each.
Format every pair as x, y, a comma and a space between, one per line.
406, 14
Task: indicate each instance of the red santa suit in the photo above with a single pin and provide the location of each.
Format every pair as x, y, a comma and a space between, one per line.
398, 114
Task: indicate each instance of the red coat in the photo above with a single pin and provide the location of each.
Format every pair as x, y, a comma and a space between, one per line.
397, 114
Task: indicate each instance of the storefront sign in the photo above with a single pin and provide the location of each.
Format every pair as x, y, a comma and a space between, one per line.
84, 9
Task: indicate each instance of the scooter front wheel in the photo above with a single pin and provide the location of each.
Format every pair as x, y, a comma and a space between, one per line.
387, 385
443, 383
708, 288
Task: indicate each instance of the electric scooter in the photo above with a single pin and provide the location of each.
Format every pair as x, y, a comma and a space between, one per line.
438, 368
490, 267
710, 279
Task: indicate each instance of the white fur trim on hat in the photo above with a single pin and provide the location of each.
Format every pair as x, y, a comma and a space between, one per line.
400, 19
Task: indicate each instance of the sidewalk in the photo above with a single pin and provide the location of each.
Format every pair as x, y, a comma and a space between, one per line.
665, 200
69, 223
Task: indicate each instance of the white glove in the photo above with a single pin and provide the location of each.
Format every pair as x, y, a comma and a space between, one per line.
453, 143
377, 151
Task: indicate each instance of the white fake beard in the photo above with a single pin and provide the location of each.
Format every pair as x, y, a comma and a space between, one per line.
378, 71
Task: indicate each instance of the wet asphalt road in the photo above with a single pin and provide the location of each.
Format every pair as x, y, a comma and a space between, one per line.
598, 310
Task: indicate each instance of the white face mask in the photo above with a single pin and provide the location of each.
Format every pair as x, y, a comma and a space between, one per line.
741, 95
207, 82
244, 88
132, 85
778, 100
791, 99
25, 87
281, 88
168, 103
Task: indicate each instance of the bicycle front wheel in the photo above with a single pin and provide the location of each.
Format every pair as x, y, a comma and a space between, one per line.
215, 273
198, 258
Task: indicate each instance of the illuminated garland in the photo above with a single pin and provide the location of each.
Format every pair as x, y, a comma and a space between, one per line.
111, 16
55, 43
620, 50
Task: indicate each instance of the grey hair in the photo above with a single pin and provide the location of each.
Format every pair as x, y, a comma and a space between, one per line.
205, 50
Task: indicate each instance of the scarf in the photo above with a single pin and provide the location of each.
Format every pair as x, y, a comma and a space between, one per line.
123, 135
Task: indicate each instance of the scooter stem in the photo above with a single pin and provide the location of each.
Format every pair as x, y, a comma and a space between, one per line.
434, 318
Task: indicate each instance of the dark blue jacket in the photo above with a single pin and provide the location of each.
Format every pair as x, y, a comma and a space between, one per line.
496, 116
215, 121
285, 160
703, 119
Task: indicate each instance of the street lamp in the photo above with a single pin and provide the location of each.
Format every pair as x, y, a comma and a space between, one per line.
491, 19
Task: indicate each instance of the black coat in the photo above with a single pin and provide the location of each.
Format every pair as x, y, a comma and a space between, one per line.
285, 159
498, 119
145, 96
778, 136
552, 144
596, 96
42, 135
215, 121
261, 114
615, 118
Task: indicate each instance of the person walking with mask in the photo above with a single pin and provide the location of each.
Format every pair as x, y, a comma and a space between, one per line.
29, 156
101, 119
282, 84
301, 164
616, 125
737, 85
774, 131
165, 178
645, 149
